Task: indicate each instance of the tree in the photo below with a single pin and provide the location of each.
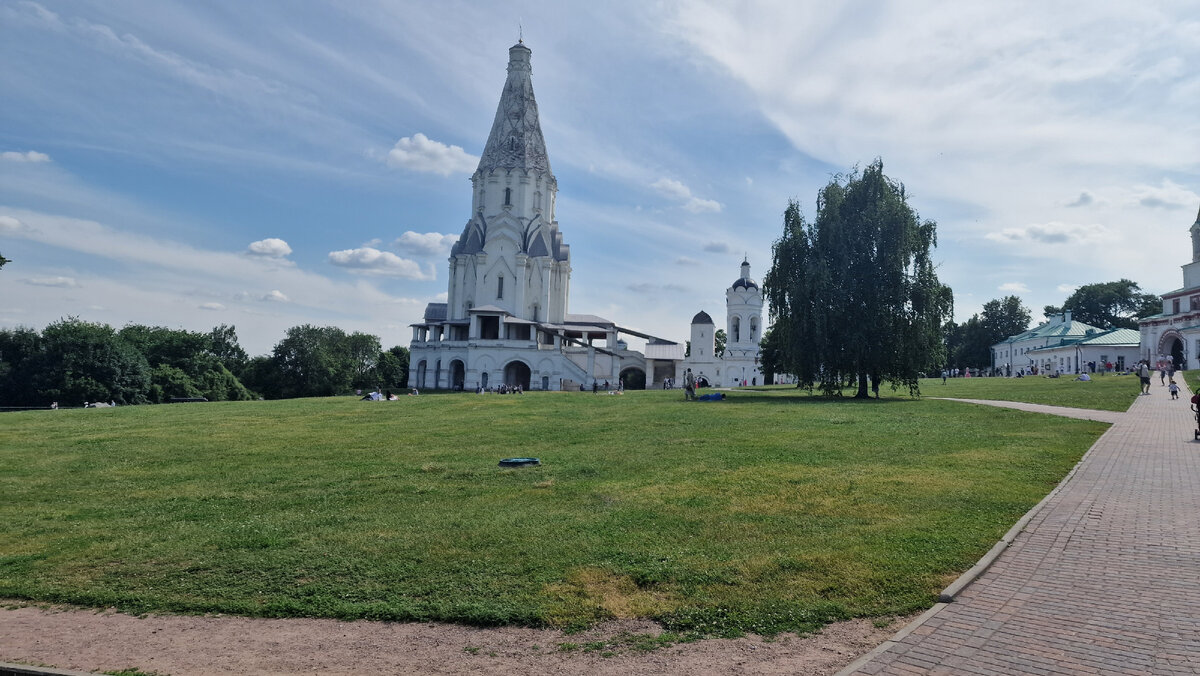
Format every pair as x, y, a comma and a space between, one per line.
1110, 305
854, 296
1004, 317
20, 349
393, 367
970, 343
769, 355
80, 361
186, 364
223, 344
719, 343
319, 361
4, 260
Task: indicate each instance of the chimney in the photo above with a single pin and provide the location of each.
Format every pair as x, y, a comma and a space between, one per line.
1067, 317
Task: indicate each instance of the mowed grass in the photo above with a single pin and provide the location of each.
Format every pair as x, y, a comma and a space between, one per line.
1104, 392
771, 511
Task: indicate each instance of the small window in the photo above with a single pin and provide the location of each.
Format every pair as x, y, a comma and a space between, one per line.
500, 287
508, 197
1175, 306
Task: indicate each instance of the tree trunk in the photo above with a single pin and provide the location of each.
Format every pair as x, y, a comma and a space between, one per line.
862, 387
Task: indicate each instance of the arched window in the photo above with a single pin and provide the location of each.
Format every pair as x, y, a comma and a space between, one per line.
500, 286
508, 197
753, 329
736, 329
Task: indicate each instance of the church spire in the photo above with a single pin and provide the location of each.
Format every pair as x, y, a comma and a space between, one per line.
1195, 230
516, 139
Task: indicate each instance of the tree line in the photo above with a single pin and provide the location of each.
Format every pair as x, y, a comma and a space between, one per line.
73, 361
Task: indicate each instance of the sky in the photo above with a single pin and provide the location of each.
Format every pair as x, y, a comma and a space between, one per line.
271, 164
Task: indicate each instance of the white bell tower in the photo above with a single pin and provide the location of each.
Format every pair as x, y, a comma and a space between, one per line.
743, 330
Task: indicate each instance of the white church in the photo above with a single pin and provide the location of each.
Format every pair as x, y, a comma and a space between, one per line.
506, 319
1175, 332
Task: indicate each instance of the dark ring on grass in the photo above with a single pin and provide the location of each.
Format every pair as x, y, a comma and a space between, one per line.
520, 462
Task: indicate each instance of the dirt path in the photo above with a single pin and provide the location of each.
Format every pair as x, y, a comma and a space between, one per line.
185, 645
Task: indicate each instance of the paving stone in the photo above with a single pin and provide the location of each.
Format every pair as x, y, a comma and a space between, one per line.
1102, 580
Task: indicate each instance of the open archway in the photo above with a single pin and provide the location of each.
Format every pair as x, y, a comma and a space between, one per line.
457, 375
517, 373
421, 366
1171, 344
633, 378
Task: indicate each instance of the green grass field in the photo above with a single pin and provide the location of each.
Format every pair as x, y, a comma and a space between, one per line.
768, 512
1104, 392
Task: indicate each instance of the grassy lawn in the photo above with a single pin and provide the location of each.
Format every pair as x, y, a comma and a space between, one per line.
770, 511
1104, 392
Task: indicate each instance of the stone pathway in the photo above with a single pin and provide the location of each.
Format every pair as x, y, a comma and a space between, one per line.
1104, 578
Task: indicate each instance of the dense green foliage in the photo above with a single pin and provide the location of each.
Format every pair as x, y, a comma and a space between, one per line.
854, 296
73, 361
1109, 305
771, 511
317, 361
970, 343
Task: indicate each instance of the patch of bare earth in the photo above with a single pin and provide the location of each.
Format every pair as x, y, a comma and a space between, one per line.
91, 640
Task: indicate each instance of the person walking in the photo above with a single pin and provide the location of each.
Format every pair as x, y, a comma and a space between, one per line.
689, 386
1144, 375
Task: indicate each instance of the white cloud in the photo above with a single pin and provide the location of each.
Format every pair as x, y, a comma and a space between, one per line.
275, 296
699, 206
673, 189
211, 306
61, 282
1013, 287
272, 247
10, 224
428, 244
717, 247
368, 261
1053, 232
420, 153
684, 260
1170, 195
1066, 288
29, 156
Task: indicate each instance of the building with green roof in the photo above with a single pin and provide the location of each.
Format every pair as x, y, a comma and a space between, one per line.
1014, 354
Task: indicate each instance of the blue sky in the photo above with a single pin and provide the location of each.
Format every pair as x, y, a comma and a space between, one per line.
268, 164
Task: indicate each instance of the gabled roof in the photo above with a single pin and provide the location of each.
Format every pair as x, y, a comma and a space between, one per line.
585, 319
702, 318
1114, 337
1110, 338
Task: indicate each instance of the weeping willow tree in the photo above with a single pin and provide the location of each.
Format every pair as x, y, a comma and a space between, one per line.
854, 296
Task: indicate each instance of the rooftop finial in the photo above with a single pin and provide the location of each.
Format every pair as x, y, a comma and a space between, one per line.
520, 33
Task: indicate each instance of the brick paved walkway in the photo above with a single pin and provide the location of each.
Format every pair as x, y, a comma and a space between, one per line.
1104, 578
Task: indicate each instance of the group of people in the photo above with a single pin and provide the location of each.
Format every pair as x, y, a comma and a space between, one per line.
385, 395
501, 389
1166, 372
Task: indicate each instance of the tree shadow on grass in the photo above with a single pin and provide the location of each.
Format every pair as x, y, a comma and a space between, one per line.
745, 397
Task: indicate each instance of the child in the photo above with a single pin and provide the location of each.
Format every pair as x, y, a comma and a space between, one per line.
1174, 389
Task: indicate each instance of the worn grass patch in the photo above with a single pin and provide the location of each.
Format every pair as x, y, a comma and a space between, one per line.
771, 511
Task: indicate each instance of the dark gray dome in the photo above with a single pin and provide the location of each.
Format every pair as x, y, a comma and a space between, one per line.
744, 283
702, 318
